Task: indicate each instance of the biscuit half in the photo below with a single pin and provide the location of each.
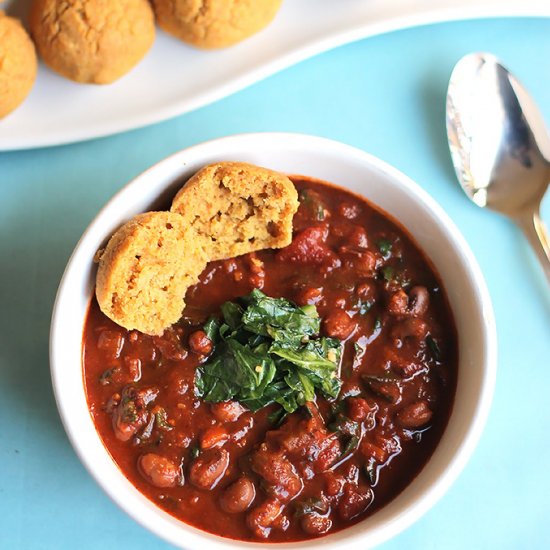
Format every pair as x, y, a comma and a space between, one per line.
238, 208
145, 270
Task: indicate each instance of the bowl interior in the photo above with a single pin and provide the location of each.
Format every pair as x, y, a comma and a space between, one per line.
343, 166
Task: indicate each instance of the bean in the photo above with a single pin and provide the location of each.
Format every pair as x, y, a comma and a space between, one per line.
419, 300
200, 343
415, 415
315, 524
278, 472
354, 503
262, 517
415, 304
227, 411
358, 237
334, 483
310, 295
239, 496
358, 408
215, 436
412, 327
339, 324
158, 470
366, 291
208, 468
170, 346
365, 264
398, 303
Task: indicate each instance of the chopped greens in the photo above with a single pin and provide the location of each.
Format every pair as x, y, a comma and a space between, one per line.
385, 246
162, 419
434, 347
268, 351
388, 272
195, 451
313, 203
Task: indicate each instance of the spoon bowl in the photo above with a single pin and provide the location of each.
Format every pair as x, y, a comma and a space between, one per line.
499, 145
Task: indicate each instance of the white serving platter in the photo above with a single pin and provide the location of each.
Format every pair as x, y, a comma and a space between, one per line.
175, 78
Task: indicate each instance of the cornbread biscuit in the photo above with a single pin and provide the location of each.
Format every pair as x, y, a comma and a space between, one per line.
17, 64
146, 269
214, 23
92, 41
238, 207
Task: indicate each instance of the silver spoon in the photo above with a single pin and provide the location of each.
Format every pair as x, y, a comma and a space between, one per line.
499, 145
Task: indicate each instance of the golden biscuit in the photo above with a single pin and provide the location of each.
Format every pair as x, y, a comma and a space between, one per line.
17, 64
145, 270
214, 23
92, 41
238, 207
224, 210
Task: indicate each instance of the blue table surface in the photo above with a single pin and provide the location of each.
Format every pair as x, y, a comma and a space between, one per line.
385, 95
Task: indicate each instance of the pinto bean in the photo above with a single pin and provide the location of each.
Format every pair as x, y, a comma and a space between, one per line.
200, 343
158, 470
358, 408
262, 517
419, 300
131, 413
354, 502
366, 291
357, 237
365, 264
334, 483
315, 524
227, 411
415, 415
390, 391
415, 304
413, 327
339, 324
278, 472
309, 295
398, 303
208, 468
170, 346
239, 496
215, 436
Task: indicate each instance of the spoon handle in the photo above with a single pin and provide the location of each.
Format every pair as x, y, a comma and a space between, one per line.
537, 235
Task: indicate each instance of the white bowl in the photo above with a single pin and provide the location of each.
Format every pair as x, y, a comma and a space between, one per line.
345, 166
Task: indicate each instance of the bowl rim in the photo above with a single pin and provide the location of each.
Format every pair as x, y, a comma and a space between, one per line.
435, 490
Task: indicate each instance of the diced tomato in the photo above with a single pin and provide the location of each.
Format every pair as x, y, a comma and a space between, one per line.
308, 247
